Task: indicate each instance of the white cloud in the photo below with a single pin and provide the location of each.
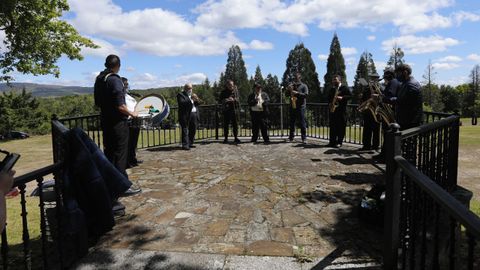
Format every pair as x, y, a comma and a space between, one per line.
462, 16
323, 57
155, 30
371, 38
105, 49
445, 66
130, 69
148, 80
417, 45
178, 66
294, 16
454, 81
346, 51
450, 58
474, 57
260, 45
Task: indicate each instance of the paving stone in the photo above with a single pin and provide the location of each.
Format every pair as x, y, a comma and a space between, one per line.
284, 235
269, 248
217, 228
257, 231
290, 218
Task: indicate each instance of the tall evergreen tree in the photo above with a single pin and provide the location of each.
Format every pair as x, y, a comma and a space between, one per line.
272, 88
258, 77
396, 57
335, 65
471, 94
300, 60
237, 72
366, 67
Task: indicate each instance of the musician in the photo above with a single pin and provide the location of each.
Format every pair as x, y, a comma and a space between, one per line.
409, 100
109, 95
339, 96
371, 129
6, 183
133, 127
390, 93
229, 98
258, 102
188, 115
298, 104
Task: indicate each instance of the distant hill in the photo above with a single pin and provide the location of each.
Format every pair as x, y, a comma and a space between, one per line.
43, 90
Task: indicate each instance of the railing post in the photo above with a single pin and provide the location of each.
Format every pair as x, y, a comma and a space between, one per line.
453, 155
216, 122
392, 198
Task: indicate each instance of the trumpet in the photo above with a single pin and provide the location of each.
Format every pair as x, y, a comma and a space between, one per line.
379, 109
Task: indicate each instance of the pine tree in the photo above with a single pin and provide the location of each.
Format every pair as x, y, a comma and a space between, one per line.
258, 78
471, 95
396, 58
366, 67
272, 88
300, 60
237, 72
335, 65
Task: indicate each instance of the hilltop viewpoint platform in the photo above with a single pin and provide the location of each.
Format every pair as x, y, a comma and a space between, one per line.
247, 206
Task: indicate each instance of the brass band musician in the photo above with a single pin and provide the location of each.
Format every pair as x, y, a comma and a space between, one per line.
338, 99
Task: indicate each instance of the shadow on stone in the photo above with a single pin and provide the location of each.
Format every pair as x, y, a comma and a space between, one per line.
164, 149
359, 178
353, 160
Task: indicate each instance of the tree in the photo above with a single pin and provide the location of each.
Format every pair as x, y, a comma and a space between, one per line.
35, 37
272, 88
335, 65
19, 111
431, 92
471, 95
396, 57
450, 99
365, 68
237, 72
300, 60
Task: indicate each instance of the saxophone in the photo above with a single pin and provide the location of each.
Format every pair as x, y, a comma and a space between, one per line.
334, 103
379, 109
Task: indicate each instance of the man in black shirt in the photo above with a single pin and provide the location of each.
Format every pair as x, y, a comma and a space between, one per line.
133, 130
371, 129
229, 98
338, 99
298, 106
409, 101
109, 95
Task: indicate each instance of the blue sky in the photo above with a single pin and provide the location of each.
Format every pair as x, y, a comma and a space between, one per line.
165, 43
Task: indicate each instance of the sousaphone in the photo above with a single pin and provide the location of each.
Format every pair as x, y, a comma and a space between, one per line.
152, 110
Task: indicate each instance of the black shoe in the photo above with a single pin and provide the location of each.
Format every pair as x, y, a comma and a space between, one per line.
253, 141
236, 140
192, 146
139, 161
290, 139
186, 148
365, 148
331, 145
304, 141
225, 141
338, 145
118, 209
380, 156
131, 191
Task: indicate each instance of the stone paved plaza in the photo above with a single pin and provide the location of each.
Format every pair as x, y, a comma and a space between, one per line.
282, 199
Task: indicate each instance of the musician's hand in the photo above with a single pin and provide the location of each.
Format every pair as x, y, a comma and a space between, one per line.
134, 114
230, 99
375, 95
294, 92
339, 97
194, 97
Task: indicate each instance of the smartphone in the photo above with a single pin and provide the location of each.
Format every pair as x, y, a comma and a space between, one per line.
8, 162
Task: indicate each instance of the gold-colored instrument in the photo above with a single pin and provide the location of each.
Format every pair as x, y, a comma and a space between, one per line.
334, 103
380, 110
293, 98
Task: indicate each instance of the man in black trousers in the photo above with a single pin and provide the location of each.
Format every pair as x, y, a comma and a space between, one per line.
230, 100
133, 131
371, 128
298, 106
258, 102
389, 96
338, 99
109, 96
188, 115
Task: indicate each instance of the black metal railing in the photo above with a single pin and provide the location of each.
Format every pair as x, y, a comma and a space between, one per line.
48, 247
423, 219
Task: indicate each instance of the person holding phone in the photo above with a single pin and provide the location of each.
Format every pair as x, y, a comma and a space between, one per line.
6, 183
